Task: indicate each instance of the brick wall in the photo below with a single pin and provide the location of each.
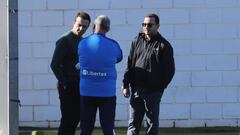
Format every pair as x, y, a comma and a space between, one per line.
205, 35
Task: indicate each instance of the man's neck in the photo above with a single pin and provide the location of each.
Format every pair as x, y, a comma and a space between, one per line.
99, 31
149, 37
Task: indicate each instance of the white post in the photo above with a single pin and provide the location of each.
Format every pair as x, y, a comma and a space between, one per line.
4, 69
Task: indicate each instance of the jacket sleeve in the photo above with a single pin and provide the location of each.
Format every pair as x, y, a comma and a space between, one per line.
168, 65
128, 70
58, 60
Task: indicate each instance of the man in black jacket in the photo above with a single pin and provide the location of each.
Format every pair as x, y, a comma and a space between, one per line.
150, 68
63, 64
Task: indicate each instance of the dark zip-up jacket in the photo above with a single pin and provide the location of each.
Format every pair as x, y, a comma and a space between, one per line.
150, 63
65, 58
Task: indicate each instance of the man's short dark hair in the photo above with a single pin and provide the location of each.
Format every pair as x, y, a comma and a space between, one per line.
83, 15
154, 16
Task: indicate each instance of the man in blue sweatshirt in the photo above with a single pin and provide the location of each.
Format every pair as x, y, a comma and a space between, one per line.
98, 56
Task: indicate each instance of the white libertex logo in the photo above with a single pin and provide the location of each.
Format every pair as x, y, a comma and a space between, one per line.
93, 73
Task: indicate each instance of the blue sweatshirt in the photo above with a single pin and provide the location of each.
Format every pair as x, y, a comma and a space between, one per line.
97, 57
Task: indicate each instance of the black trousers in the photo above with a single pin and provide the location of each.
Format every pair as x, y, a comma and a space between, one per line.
143, 102
70, 108
89, 106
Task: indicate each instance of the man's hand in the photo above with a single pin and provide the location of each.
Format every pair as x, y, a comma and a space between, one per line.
126, 92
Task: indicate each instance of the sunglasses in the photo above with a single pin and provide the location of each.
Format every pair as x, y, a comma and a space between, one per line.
147, 24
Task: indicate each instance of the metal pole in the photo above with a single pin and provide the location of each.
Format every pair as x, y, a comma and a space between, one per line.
13, 66
4, 69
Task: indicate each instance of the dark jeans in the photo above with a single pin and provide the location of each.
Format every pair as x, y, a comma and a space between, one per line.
89, 106
143, 102
70, 108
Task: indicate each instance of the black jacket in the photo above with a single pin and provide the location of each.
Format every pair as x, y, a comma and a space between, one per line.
150, 63
65, 58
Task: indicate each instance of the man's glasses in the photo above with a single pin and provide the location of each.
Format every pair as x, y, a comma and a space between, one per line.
147, 24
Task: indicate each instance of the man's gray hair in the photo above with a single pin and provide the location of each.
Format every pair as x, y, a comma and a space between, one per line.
103, 21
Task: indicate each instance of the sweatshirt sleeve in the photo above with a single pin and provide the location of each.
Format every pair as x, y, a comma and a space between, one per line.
128, 70
168, 64
120, 55
58, 60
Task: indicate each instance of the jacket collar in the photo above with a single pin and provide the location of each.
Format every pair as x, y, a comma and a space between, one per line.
154, 38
